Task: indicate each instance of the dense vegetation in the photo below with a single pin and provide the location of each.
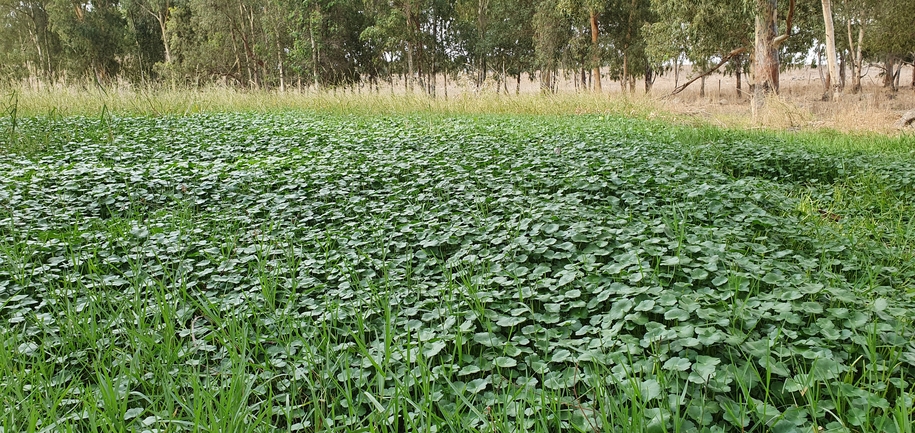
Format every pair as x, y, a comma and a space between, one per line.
276, 44
300, 272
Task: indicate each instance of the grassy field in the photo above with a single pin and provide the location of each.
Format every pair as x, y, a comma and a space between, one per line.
446, 267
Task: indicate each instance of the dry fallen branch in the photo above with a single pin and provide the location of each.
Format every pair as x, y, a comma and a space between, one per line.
724, 60
906, 120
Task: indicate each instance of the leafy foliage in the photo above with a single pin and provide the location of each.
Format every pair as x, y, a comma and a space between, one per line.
298, 272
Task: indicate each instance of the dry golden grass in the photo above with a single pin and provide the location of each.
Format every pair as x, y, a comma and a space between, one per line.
799, 106
71, 101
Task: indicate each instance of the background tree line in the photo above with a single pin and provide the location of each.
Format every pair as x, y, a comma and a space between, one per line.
275, 44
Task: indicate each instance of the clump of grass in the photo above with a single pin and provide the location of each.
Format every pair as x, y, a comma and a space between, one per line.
778, 113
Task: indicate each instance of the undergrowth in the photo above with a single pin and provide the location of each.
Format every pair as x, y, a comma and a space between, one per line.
315, 272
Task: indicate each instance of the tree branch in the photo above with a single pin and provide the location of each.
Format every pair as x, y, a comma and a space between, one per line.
788, 23
724, 60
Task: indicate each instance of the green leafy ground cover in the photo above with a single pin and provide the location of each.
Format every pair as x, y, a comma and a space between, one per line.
294, 272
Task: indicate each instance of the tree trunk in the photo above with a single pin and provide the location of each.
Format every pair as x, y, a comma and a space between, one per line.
855, 60
314, 52
842, 66
168, 48
281, 67
852, 61
831, 50
824, 79
481, 27
280, 64
433, 67
649, 79
595, 51
161, 17
629, 25
40, 23
247, 40
504, 78
545, 77
237, 57
676, 71
738, 72
409, 15
889, 76
765, 68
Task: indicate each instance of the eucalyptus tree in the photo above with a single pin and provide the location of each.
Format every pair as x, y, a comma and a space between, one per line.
493, 36
28, 43
785, 33
474, 18
877, 31
307, 34
440, 42
725, 30
325, 42
700, 32
858, 16
623, 22
93, 35
242, 42
277, 24
147, 49
206, 44
591, 10
665, 45
18, 51
891, 38
405, 29
160, 11
552, 33
511, 38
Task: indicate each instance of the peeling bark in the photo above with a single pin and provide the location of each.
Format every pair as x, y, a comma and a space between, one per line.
855, 59
765, 69
834, 81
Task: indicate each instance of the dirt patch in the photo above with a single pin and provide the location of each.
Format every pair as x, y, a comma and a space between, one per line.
799, 105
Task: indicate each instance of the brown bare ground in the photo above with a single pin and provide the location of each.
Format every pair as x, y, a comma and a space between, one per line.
799, 105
